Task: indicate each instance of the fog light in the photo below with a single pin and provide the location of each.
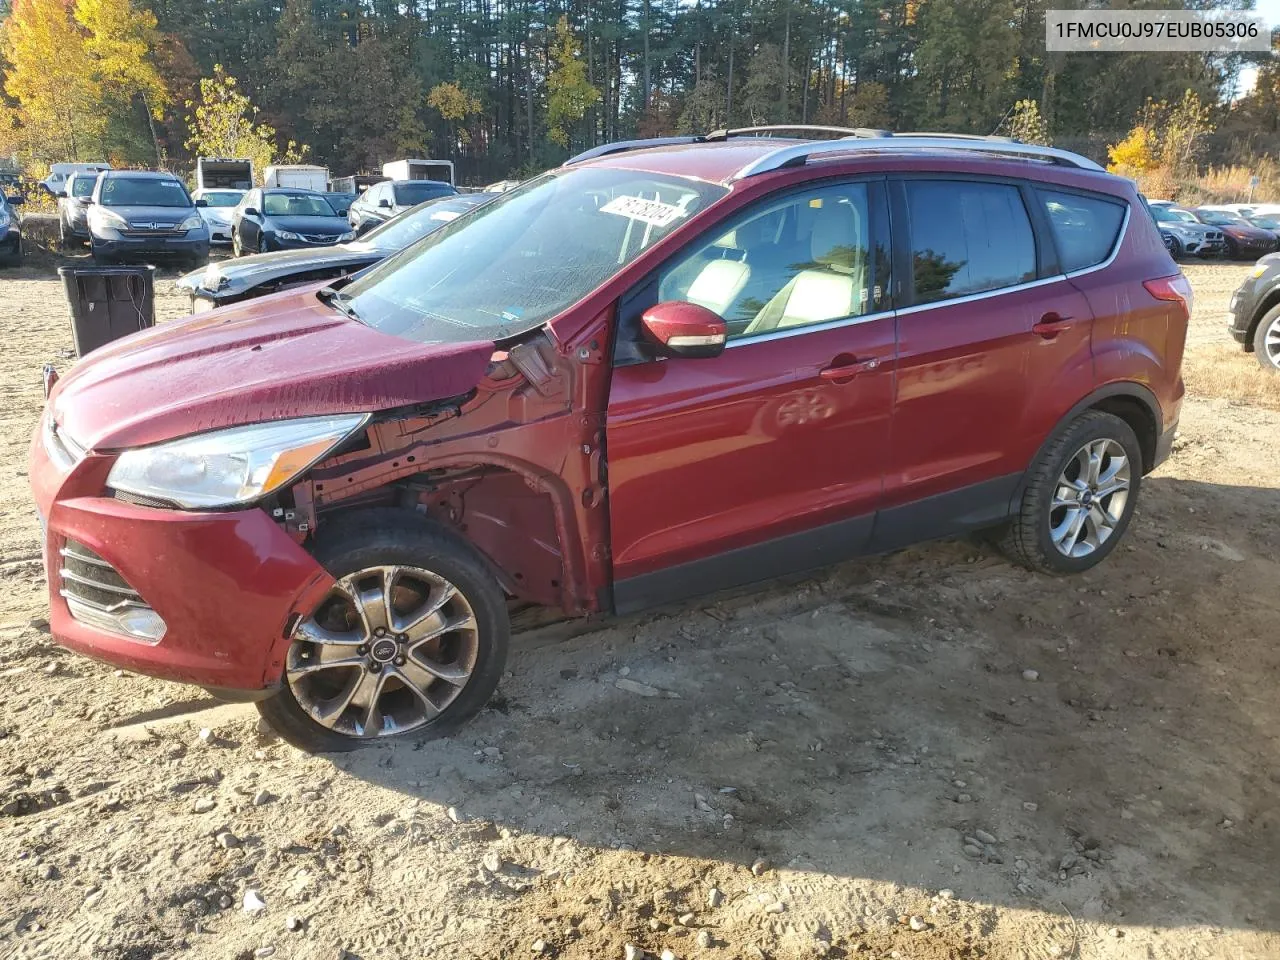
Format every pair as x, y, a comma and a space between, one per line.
138, 623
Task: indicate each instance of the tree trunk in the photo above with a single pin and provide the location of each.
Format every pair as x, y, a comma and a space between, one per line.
644, 86
155, 137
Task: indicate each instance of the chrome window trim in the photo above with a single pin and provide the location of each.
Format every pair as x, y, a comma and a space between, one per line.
981, 295
810, 328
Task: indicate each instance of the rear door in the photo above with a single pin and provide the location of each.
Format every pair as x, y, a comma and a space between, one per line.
992, 335
768, 458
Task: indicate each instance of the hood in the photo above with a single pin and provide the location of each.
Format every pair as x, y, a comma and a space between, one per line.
1195, 229
217, 214
1243, 232
234, 276
168, 216
286, 355
309, 225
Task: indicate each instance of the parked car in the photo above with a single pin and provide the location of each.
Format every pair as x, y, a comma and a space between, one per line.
1192, 237
1244, 241
286, 219
1253, 317
219, 205
10, 230
340, 200
646, 375
384, 200
231, 281
142, 214
1264, 221
73, 209
56, 182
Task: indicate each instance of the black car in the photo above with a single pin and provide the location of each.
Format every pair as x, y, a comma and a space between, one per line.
73, 209
10, 231
286, 218
341, 201
385, 200
254, 276
145, 214
1254, 315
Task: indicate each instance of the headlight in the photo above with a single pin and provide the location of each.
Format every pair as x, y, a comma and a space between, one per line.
191, 223
348, 236
230, 467
106, 220
4, 219
288, 235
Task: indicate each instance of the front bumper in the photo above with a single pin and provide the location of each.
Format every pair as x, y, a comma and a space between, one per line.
226, 584
126, 246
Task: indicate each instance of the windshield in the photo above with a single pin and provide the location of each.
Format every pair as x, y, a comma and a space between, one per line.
82, 186
143, 192
407, 194
296, 205
414, 224
1172, 215
525, 256
1267, 223
1219, 218
222, 198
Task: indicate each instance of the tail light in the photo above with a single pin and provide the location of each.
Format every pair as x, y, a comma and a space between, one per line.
1176, 288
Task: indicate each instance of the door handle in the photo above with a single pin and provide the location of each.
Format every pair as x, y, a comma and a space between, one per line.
1051, 324
848, 369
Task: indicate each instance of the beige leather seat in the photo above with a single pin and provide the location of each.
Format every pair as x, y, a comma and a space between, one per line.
831, 287
718, 284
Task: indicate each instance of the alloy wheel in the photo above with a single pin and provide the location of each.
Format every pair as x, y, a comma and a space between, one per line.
1089, 498
1271, 343
236, 249
387, 651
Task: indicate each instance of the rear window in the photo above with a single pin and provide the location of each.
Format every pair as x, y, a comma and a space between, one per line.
968, 237
1085, 229
82, 186
408, 194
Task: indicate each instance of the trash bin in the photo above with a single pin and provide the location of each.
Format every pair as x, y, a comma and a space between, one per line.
108, 303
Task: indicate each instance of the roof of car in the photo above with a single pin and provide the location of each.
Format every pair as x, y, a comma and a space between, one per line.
723, 161
291, 190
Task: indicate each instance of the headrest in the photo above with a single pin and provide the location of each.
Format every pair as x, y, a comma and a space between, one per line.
833, 242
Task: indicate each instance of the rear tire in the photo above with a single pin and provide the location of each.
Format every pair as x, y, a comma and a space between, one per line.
1266, 341
360, 549
1059, 529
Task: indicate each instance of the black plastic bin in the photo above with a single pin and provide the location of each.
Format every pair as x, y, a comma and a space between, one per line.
108, 303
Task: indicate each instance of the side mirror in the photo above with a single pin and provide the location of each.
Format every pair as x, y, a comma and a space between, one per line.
202, 202
15, 201
384, 204
251, 212
84, 200
685, 329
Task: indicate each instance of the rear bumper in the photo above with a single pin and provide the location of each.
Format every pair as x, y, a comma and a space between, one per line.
226, 584
1164, 444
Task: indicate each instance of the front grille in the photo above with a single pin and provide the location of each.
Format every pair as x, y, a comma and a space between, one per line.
93, 581
136, 232
1213, 235
318, 238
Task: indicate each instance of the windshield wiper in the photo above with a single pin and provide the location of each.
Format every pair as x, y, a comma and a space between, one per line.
339, 301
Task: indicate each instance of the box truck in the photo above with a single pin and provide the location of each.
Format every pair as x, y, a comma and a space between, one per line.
419, 170
222, 173
300, 176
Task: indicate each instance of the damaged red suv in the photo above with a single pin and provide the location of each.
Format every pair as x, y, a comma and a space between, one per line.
660, 370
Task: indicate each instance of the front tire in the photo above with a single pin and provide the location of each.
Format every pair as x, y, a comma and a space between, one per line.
1078, 498
410, 643
1266, 341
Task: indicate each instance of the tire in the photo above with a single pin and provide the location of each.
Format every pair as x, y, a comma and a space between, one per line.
379, 540
236, 249
262, 243
1268, 329
64, 235
1233, 250
1029, 539
1177, 252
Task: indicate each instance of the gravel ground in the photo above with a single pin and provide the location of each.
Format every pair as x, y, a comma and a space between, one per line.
932, 754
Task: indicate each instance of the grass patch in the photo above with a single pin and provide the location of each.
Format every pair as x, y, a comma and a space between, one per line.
1228, 373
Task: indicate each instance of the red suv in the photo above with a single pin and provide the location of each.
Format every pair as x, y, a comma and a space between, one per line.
657, 371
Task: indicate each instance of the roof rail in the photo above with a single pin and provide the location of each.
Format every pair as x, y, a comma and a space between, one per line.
621, 146
797, 154
992, 138
801, 127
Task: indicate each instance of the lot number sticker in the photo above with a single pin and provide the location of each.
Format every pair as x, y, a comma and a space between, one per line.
646, 211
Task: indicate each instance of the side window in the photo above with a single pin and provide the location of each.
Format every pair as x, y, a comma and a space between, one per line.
789, 262
967, 237
1085, 229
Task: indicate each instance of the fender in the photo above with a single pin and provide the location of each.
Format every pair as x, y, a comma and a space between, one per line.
1123, 388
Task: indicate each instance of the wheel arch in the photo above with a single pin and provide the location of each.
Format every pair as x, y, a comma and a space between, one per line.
1269, 302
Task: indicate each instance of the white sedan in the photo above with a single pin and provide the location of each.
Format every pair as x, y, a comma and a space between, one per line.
219, 204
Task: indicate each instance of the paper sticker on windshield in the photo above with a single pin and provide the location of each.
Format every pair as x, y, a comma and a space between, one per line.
646, 211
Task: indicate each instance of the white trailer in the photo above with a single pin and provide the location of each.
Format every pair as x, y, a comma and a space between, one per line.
221, 173
441, 170
299, 176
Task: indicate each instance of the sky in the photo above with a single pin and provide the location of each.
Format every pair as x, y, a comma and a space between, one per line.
1249, 75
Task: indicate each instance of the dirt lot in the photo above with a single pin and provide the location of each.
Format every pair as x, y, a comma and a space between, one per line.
849, 735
